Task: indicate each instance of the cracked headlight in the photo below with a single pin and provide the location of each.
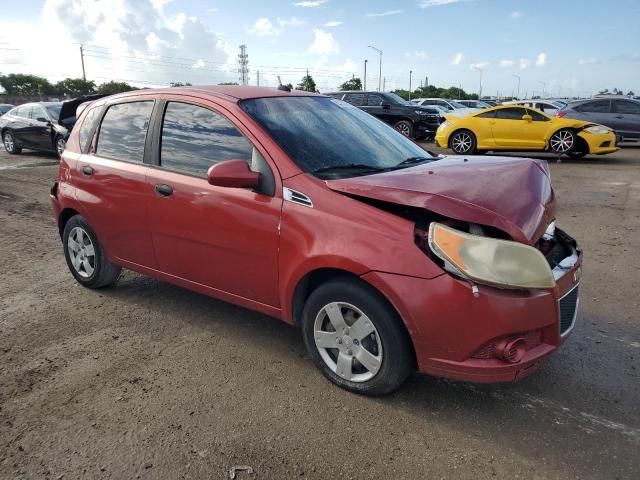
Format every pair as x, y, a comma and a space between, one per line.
597, 129
490, 261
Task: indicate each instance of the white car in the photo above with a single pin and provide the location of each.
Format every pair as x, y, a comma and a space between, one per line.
474, 104
550, 107
451, 106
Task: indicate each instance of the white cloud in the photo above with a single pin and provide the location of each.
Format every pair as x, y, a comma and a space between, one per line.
525, 63
310, 3
541, 60
212, 10
506, 63
323, 43
587, 61
436, 3
515, 15
263, 28
291, 22
333, 23
198, 64
479, 66
384, 14
457, 59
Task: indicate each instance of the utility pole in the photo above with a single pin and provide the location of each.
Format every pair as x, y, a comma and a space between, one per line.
426, 82
475, 67
365, 74
410, 72
384, 84
544, 85
258, 78
518, 77
380, 73
84, 75
243, 62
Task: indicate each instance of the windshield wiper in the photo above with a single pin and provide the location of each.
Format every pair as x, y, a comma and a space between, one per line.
413, 161
348, 166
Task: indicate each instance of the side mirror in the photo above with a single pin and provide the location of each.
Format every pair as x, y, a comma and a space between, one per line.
527, 118
385, 105
42, 119
233, 174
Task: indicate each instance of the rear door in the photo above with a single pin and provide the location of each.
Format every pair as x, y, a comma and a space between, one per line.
111, 182
20, 124
627, 115
222, 238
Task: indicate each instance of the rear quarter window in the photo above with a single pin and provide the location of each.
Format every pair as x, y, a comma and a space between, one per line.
87, 128
123, 131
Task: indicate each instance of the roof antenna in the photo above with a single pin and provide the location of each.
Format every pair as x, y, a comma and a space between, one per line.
282, 87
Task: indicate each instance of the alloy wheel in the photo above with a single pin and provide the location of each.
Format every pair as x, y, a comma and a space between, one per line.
8, 142
348, 342
60, 145
81, 252
562, 141
404, 129
461, 143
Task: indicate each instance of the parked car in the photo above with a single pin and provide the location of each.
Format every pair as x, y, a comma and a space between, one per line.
5, 107
512, 127
550, 107
620, 114
410, 120
309, 210
452, 106
479, 104
41, 126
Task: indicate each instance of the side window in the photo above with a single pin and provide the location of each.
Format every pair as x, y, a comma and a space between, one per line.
36, 111
512, 113
537, 117
194, 138
628, 107
374, 100
599, 106
86, 129
123, 131
356, 99
22, 112
490, 114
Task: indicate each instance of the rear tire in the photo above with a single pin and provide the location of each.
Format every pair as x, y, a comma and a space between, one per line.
85, 257
10, 144
463, 142
405, 128
356, 338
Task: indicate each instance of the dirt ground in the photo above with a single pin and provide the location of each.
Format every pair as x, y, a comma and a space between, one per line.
147, 380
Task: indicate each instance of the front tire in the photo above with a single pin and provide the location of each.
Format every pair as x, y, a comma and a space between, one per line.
463, 142
85, 257
405, 128
563, 142
10, 144
60, 145
356, 338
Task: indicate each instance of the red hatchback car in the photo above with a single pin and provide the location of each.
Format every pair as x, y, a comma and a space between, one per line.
305, 208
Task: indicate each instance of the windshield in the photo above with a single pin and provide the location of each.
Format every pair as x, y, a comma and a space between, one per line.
455, 104
5, 108
332, 138
397, 99
54, 110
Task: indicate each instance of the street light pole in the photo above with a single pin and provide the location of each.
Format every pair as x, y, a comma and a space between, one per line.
479, 70
365, 74
544, 85
380, 73
518, 77
410, 72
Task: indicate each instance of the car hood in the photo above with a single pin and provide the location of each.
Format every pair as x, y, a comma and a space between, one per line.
69, 107
513, 195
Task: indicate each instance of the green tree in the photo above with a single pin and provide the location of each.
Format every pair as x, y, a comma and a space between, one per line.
351, 84
180, 84
307, 84
21, 84
110, 88
631, 94
74, 87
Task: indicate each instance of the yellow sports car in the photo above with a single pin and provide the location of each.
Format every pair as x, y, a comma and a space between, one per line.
512, 127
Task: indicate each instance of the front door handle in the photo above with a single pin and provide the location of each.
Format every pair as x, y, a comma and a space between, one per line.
164, 190
87, 170
619, 116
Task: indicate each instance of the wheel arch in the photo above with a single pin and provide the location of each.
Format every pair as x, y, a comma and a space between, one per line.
64, 217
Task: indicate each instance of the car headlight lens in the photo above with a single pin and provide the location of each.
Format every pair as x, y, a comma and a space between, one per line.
444, 125
421, 112
499, 263
597, 129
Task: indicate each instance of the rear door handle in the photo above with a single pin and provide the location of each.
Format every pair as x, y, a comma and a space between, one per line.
87, 170
164, 190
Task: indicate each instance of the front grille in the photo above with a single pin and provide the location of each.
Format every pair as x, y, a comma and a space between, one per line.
568, 306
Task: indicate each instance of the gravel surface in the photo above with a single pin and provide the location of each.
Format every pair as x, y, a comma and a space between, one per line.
147, 380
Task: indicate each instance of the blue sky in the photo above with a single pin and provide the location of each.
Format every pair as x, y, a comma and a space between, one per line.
566, 47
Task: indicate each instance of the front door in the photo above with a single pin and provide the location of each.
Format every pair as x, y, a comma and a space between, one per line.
223, 238
40, 128
510, 130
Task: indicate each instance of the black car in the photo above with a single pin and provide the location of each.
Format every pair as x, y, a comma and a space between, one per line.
620, 114
5, 107
40, 126
413, 121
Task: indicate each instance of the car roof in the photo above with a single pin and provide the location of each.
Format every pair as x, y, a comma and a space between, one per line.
228, 92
